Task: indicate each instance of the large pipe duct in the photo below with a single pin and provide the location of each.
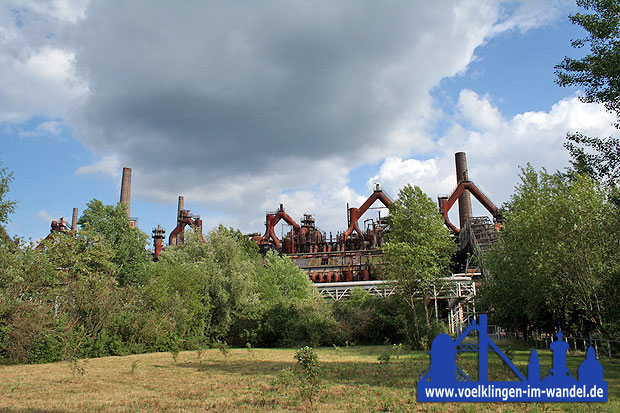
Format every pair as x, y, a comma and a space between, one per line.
126, 189
74, 219
465, 212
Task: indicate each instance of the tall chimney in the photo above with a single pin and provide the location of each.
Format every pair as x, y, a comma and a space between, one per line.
465, 199
74, 219
126, 189
181, 206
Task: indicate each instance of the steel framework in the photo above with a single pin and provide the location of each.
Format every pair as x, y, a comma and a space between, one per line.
459, 291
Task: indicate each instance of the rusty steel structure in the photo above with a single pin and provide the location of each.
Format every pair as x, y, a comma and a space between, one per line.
355, 254
352, 255
184, 218
59, 226
158, 241
461, 193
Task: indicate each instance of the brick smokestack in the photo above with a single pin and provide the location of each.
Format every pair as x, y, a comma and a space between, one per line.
74, 219
181, 206
465, 199
126, 189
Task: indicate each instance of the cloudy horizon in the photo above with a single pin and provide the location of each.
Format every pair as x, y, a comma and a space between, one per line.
240, 106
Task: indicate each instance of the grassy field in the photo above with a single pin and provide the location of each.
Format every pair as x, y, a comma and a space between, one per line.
258, 380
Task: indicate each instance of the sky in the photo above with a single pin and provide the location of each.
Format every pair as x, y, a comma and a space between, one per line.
240, 106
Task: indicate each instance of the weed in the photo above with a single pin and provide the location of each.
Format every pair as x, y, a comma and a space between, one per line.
77, 367
509, 351
387, 404
285, 378
248, 347
308, 361
398, 350
222, 346
384, 358
134, 366
174, 352
199, 353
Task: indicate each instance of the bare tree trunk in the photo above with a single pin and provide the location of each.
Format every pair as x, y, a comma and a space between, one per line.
428, 320
416, 341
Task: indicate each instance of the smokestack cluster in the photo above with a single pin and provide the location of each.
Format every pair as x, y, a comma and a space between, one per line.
465, 212
126, 189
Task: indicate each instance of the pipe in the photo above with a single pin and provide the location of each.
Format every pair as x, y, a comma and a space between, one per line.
465, 211
126, 189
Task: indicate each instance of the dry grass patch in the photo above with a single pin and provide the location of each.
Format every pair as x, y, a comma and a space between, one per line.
257, 380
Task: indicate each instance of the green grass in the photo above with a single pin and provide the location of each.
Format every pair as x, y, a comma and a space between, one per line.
261, 380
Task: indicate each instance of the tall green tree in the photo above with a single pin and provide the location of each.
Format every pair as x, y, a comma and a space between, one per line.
129, 244
418, 248
598, 73
557, 257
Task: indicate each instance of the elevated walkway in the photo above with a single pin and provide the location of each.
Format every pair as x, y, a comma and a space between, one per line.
459, 291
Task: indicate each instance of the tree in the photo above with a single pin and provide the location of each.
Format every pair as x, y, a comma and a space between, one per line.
557, 257
418, 248
6, 206
129, 244
599, 73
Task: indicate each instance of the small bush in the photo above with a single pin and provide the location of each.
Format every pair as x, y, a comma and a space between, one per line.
310, 366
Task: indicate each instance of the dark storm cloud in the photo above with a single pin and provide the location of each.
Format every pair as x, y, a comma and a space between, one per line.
220, 91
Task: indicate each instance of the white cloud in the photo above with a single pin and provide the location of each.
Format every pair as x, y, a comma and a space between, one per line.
43, 215
108, 166
480, 111
48, 129
36, 67
497, 148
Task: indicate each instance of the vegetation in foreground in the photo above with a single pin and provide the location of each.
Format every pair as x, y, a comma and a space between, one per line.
349, 379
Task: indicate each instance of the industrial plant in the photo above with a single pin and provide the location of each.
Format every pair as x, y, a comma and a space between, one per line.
353, 258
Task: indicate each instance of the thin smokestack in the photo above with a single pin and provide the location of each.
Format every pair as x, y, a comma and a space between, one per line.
126, 189
74, 219
181, 206
465, 212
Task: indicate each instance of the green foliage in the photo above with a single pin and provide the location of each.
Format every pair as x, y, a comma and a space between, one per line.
77, 297
6, 206
308, 362
418, 249
128, 244
557, 259
384, 358
595, 157
598, 72
368, 319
